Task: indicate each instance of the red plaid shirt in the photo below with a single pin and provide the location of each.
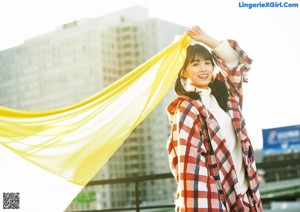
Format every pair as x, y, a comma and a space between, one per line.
198, 157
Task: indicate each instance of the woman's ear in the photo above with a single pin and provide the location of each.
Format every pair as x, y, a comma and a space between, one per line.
183, 73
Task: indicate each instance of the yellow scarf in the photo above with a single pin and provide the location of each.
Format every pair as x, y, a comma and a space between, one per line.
75, 142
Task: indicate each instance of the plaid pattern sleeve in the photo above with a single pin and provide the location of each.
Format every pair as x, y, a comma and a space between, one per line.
234, 76
196, 188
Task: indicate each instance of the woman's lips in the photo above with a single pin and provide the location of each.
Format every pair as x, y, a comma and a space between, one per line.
203, 76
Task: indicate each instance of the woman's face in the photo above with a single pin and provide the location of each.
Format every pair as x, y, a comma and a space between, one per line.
199, 73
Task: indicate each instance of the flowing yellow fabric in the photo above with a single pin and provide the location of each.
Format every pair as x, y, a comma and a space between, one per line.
76, 141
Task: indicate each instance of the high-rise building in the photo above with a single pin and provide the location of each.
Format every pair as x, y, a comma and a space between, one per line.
76, 61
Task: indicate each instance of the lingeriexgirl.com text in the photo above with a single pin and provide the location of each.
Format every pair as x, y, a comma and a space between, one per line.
270, 4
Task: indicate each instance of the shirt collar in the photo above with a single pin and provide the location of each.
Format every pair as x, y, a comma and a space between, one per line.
201, 91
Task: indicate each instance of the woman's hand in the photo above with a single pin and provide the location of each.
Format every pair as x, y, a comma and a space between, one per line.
198, 34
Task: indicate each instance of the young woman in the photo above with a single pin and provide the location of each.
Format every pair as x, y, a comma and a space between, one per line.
210, 153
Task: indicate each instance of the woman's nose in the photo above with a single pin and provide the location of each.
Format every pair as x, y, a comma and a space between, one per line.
202, 67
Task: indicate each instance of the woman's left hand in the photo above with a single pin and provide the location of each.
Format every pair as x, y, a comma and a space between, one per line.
198, 34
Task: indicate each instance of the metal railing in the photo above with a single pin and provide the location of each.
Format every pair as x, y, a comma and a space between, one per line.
138, 179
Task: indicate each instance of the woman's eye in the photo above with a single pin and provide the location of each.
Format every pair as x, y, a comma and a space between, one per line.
208, 63
195, 64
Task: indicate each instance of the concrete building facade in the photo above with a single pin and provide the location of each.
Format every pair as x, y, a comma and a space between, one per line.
76, 61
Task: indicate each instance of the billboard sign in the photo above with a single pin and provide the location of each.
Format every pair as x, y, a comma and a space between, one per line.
281, 139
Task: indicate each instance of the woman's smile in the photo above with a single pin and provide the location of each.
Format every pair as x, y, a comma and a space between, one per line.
203, 76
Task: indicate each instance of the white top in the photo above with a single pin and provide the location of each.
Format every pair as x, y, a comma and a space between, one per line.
231, 58
228, 132
228, 54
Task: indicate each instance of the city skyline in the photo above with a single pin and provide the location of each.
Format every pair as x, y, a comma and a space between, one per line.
258, 30
272, 84
74, 62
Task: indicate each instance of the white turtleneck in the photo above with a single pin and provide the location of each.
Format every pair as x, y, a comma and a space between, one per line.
228, 132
